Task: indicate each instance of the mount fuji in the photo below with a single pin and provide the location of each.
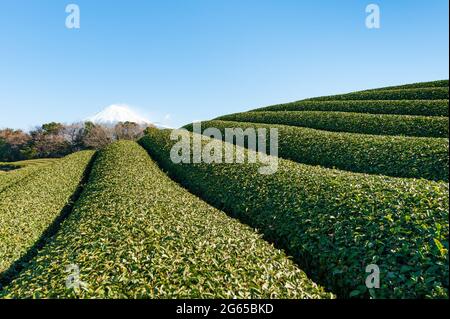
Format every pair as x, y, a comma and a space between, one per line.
115, 113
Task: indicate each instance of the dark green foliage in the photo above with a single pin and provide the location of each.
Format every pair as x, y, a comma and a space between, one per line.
439, 93
378, 124
31, 204
398, 156
134, 233
334, 223
431, 84
405, 107
52, 128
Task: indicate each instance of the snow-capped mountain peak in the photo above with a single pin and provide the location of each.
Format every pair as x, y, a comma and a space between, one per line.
115, 113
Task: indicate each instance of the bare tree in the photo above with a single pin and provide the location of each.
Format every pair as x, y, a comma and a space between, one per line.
48, 141
12, 143
97, 136
74, 133
128, 131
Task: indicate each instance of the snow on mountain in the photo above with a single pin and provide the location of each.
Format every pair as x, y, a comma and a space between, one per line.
114, 114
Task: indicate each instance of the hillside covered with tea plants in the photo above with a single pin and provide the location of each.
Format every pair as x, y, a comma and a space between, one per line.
362, 179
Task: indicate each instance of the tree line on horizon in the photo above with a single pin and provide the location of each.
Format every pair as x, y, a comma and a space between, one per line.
52, 140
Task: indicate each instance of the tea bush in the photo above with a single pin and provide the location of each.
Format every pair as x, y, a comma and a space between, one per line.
32, 204
22, 170
400, 107
431, 84
397, 156
378, 124
135, 233
334, 223
428, 93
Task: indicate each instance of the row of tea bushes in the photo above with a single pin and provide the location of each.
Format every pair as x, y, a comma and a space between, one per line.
334, 223
11, 177
30, 206
377, 124
20, 170
134, 233
430, 84
429, 93
397, 156
400, 107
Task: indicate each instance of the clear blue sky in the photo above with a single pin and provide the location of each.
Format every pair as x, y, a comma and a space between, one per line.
198, 59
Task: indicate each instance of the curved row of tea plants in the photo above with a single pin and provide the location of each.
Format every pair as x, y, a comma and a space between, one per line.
438, 93
22, 170
377, 124
11, 177
398, 156
334, 223
135, 233
430, 84
36, 162
28, 207
400, 107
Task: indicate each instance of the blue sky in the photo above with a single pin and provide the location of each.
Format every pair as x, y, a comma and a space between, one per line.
179, 61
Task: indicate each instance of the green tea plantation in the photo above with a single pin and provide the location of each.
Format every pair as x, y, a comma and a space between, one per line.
361, 183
